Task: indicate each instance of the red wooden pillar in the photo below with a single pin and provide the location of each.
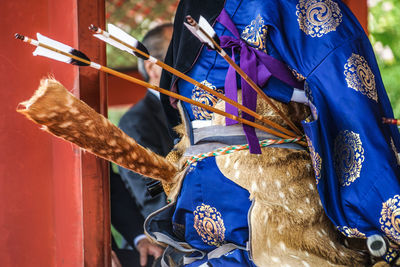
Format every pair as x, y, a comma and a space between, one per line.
360, 9
95, 173
54, 199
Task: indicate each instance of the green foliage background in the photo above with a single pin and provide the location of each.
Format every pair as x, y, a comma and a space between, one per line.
384, 29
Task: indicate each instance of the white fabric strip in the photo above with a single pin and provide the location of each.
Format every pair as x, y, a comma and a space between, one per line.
201, 123
299, 96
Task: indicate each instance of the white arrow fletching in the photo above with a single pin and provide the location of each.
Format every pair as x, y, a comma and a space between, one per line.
121, 35
41, 51
114, 43
50, 42
193, 30
200, 35
203, 23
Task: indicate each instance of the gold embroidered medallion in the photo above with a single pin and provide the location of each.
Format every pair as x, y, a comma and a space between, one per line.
359, 76
351, 232
316, 160
348, 157
390, 218
256, 34
206, 98
318, 17
209, 225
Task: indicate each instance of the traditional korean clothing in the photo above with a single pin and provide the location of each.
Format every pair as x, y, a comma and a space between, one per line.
354, 155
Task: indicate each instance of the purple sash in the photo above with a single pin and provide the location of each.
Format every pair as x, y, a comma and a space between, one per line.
259, 66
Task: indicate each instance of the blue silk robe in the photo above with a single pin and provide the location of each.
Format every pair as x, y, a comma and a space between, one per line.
355, 155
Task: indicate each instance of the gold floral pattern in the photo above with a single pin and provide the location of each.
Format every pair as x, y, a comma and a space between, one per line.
348, 157
206, 98
308, 92
297, 75
390, 255
256, 34
318, 17
390, 218
209, 225
359, 76
397, 155
351, 232
315, 159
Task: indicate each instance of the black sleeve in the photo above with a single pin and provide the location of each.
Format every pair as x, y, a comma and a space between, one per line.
184, 47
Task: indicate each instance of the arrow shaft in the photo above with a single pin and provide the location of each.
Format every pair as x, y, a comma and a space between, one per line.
163, 91
200, 85
251, 82
193, 102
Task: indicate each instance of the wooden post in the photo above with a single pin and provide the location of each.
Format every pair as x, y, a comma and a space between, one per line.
54, 198
94, 171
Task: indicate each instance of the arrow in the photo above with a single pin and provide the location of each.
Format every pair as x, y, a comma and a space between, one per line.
120, 39
390, 121
64, 54
206, 34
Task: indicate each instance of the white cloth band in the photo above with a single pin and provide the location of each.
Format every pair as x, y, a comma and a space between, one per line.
299, 96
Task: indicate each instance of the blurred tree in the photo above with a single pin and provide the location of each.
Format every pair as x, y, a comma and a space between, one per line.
135, 17
384, 29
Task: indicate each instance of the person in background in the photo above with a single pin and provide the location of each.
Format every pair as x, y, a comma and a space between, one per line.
146, 122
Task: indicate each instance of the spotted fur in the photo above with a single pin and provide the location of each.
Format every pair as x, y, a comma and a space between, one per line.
63, 115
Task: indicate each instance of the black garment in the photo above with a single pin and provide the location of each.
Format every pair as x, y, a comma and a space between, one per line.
127, 220
147, 124
185, 47
125, 214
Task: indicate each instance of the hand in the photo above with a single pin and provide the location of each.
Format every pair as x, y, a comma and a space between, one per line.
114, 260
146, 248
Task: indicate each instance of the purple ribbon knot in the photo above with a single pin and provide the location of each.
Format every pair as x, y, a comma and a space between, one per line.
259, 66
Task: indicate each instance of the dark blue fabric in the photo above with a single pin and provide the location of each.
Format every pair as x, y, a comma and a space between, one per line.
340, 108
213, 68
205, 185
354, 155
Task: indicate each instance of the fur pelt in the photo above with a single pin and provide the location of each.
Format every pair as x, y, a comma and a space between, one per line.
63, 115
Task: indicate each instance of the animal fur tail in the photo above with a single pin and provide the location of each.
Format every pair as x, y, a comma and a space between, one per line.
67, 117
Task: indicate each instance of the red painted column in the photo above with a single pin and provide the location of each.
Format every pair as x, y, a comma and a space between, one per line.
95, 173
360, 10
40, 191
54, 208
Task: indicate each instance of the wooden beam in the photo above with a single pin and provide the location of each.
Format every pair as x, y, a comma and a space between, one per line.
95, 173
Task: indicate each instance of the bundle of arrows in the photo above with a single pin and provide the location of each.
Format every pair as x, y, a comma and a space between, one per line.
118, 38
